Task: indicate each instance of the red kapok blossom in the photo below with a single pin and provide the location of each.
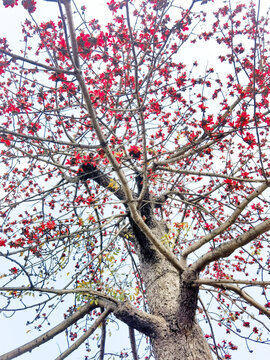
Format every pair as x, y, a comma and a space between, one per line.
29, 5
135, 152
11, 3
6, 139
51, 224
14, 270
3, 242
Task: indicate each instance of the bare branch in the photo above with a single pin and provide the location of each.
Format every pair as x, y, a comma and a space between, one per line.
227, 223
245, 296
86, 291
124, 311
133, 343
48, 140
86, 335
103, 339
210, 174
229, 247
49, 334
231, 281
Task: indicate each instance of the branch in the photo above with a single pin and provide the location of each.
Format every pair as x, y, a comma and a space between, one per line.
90, 171
231, 220
124, 311
103, 339
50, 68
116, 166
133, 343
214, 348
86, 335
245, 296
216, 175
231, 281
147, 324
49, 334
44, 140
86, 291
229, 247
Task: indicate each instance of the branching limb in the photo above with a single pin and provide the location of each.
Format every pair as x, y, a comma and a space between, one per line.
245, 296
49, 334
229, 247
86, 335
139, 320
50, 68
231, 220
124, 311
116, 167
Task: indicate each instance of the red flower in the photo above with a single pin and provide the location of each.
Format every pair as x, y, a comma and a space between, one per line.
250, 140
11, 3
3, 242
242, 119
29, 5
33, 128
14, 270
50, 224
6, 139
135, 152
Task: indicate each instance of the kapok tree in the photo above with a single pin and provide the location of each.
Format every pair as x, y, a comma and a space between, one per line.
136, 167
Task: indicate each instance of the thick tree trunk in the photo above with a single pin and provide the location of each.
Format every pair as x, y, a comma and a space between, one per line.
181, 345
172, 296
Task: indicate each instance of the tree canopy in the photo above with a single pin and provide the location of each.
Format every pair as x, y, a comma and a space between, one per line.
135, 175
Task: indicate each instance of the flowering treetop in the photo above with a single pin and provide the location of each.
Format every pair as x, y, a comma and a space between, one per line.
108, 129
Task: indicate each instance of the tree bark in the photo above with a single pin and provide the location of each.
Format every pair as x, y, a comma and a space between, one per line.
171, 295
181, 345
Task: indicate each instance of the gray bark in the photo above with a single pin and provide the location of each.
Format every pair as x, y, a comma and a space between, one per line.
172, 296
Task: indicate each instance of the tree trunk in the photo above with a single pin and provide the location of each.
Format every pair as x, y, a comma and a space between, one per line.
181, 345
172, 296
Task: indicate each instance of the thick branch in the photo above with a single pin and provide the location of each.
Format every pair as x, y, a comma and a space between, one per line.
89, 171
229, 247
124, 184
116, 167
49, 334
227, 223
147, 324
139, 320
